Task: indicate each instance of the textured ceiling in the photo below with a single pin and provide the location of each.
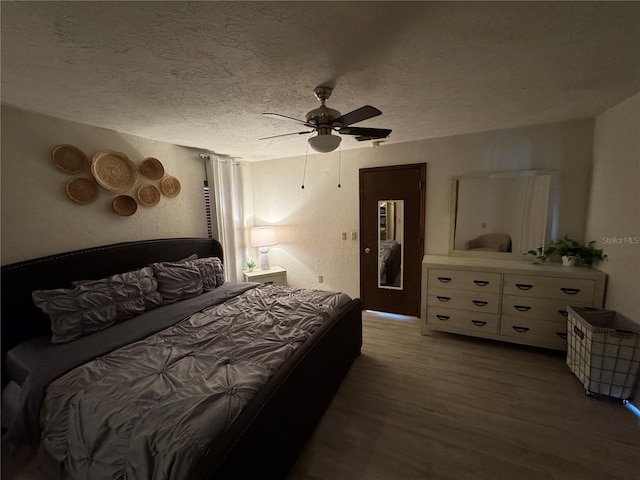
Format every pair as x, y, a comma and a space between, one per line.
201, 73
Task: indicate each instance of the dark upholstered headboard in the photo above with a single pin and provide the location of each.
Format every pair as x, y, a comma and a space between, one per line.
21, 319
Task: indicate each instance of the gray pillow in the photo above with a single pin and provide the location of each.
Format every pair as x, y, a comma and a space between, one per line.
177, 281
211, 271
95, 305
190, 258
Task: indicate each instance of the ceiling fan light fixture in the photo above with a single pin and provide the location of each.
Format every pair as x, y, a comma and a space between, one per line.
324, 143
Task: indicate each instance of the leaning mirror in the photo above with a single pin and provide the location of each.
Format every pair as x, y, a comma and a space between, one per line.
501, 214
390, 243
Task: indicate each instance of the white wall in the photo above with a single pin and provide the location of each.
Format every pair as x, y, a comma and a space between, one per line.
614, 205
309, 221
39, 219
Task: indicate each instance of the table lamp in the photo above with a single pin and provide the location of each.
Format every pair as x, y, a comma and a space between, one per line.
263, 238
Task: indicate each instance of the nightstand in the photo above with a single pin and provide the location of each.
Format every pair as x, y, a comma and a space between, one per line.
274, 276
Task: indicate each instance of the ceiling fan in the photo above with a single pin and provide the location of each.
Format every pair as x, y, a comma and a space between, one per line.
325, 120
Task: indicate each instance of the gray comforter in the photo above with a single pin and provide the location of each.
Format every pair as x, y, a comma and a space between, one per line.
151, 408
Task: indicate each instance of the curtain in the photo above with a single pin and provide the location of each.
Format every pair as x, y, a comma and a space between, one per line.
535, 209
225, 177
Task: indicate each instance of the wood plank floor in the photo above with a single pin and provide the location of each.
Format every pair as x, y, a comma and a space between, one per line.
451, 407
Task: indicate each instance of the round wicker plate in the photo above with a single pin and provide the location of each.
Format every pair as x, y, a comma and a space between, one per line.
69, 159
152, 168
82, 190
114, 171
124, 205
170, 186
148, 195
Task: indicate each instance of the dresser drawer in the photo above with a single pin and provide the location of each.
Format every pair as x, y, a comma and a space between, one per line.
274, 279
464, 300
570, 290
275, 276
462, 319
550, 334
537, 308
476, 281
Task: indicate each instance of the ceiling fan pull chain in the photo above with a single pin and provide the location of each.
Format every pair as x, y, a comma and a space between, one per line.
339, 165
304, 174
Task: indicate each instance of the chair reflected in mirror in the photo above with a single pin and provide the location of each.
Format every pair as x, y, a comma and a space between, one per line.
390, 239
489, 242
390, 263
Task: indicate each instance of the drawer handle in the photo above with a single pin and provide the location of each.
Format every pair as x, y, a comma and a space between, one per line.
444, 318
444, 299
523, 286
578, 332
570, 291
444, 279
481, 283
520, 329
564, 313
478, 323
479, 303
522, 308
562, 335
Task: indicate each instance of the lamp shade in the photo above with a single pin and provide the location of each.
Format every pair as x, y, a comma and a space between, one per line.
324, 143
263, 236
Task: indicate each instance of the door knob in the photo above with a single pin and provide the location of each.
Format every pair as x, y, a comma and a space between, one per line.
367, 250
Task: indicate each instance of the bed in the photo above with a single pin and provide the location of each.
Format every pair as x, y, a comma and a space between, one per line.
264, 425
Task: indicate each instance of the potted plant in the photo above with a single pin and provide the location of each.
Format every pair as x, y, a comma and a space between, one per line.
539, 254
251, 264
588, 254
566, 248
571, 251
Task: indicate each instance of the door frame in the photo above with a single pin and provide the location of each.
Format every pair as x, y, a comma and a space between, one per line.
421, 228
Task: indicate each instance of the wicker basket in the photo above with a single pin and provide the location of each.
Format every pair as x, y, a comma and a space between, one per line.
603, 351
152, 168
114, 171
148, 195
69, 159
170, 186
124, 205
82, 190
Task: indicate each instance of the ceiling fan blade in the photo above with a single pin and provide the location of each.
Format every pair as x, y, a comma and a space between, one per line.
285, 117
365, 133
358, 115
284, 135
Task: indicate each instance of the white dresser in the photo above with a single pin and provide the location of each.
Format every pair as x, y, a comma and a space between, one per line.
509, 300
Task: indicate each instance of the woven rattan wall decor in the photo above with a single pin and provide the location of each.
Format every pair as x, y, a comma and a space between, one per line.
115, 173
148, 195
82, 190
69, 159
170, 186
124, 205
152, 168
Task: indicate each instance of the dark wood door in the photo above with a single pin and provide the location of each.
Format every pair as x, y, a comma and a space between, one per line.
404, 186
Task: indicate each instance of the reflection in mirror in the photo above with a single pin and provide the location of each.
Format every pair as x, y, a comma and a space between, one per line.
504, 213
390, 243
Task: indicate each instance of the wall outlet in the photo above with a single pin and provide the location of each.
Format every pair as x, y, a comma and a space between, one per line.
344, 235
320, 279
354, 235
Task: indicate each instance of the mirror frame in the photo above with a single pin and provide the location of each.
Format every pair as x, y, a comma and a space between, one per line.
551, 215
